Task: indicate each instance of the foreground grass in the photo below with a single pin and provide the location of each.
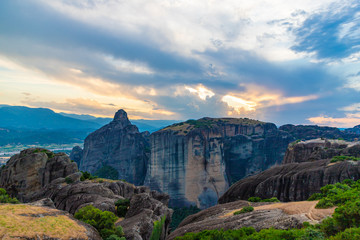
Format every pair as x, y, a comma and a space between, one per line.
29, 221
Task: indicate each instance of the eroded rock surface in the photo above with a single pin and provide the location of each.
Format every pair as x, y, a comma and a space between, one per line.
195, 161
303, 173
28, 172
316, 149
145, 209
265, 215
120, 145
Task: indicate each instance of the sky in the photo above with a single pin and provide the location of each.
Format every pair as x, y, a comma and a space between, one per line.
279, 61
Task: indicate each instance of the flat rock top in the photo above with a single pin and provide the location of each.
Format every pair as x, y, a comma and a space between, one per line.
26, 221
211, 122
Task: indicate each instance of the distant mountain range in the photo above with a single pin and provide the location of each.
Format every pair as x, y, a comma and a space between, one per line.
24, 125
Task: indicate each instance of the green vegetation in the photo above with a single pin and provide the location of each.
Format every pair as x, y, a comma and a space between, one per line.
122, 206
257, 199
344, 223
249, 233
157, 229
180, 214
47, 152
244, 210
86, 175
68, 180
5, 198
107, 172
103, 221
344, 158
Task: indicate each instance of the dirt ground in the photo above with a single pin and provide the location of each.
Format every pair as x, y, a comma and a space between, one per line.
293, 208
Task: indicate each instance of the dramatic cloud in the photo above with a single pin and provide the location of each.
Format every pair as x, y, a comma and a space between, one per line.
282, 61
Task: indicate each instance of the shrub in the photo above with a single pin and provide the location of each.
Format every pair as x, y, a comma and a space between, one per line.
68, 180
180, 214
86, 175
344, 158
122, 206
107, 172
5, 198
273, 199
157, 229
315, 196
324, 203
103, 221
348, 234
244, 210
254, 199
115, 237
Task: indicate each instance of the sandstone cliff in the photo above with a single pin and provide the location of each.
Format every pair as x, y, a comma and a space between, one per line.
195, 161
303, 173
120, 145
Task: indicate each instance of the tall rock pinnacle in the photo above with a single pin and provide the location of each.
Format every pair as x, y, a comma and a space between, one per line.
121, 117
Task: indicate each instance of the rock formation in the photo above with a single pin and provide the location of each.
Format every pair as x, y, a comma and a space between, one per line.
302, 174
316, 149
32, 169
35, 174
76, 155
195, 161
265, 215
307, 132
120, 145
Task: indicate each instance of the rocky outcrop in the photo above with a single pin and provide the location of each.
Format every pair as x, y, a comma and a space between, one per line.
307, 132
120, 145
316, 149
20, 221
265, 215
195, 161
28, 172
307, 167
76, 155
145, 209
35, 174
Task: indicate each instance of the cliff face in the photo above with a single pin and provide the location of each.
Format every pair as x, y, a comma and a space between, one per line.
76, 155
120, 145
303, 173
316, 149
195, 161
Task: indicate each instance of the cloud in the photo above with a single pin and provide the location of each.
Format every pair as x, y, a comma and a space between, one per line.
183, 59
331, 34
346, 122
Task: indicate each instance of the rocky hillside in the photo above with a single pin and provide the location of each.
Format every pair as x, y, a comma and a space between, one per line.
35, 174
195, 161
303, 173
119, 145
264, 215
